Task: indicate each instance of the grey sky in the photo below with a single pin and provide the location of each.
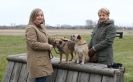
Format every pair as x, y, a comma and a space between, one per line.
72, 12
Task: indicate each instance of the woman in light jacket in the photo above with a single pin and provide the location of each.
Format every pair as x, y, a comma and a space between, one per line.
102, 39
38, 48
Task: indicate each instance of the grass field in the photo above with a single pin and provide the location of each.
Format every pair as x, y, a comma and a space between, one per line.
13, 42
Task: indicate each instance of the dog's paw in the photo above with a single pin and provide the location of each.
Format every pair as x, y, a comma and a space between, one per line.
82, 63
77, 61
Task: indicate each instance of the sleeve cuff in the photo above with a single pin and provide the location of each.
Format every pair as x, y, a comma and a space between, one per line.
93, 48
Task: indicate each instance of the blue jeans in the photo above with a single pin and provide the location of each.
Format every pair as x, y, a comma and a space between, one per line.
41, 79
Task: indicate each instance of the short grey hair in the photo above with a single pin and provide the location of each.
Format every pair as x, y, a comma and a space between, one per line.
104, 10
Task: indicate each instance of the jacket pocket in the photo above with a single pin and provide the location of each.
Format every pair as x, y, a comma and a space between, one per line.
42, 61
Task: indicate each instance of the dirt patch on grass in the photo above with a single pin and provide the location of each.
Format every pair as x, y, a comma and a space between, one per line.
57, 32
11, 32
50, 31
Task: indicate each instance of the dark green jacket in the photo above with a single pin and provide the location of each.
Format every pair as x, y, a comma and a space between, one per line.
102, 39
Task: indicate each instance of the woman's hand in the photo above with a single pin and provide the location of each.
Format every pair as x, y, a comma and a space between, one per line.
51, 46
91, 52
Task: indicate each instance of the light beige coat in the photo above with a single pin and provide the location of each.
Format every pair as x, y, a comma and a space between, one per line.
38, 50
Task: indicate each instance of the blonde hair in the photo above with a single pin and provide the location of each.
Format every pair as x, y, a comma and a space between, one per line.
104, 10
33, 15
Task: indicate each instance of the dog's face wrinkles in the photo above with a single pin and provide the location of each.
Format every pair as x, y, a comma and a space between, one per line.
74, 37
58, 43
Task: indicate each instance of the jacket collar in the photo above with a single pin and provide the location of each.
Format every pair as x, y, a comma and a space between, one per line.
105, 23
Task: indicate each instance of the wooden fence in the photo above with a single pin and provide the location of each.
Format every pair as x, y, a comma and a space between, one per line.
89, 72
119, 34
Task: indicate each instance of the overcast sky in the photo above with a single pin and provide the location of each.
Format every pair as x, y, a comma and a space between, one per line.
72, 12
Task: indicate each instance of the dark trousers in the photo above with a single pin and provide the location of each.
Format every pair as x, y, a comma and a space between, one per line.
41, 79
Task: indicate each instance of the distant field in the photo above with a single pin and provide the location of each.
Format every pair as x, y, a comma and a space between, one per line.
50, 31
57, 31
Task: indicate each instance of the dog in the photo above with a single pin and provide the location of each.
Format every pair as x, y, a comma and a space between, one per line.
65, 46
80, 49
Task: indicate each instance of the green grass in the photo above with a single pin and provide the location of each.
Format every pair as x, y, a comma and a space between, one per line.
9, 45
123, 52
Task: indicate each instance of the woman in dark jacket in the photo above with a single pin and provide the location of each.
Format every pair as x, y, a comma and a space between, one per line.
102, 39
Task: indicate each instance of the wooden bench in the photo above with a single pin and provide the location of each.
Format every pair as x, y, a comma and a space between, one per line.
90, 72
119, 34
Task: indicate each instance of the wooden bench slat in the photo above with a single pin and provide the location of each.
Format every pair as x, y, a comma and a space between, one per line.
52, 77
72, 76
107, 79
95, 78
16, 72
119, 76
8, 72
61, 75
23, 74
83, 77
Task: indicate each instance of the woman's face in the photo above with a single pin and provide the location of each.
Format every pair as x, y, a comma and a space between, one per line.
39, 19
103, 17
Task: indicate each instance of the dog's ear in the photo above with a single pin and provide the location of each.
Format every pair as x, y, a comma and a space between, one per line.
64, 39
72, 37
79, 37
